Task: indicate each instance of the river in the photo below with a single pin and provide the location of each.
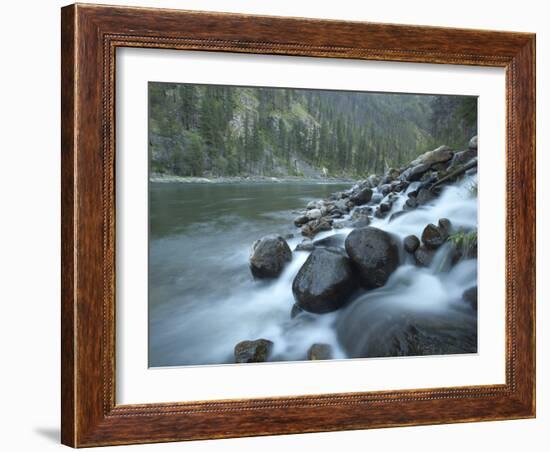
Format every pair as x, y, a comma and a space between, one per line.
203, 299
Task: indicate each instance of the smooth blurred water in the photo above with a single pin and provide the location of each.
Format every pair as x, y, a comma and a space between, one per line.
203, 299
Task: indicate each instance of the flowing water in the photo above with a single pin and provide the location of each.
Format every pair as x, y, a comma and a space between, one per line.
203, 299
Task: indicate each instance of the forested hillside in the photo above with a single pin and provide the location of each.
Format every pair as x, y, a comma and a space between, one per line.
207, 130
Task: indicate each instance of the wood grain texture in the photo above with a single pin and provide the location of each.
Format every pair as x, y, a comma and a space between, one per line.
90, 36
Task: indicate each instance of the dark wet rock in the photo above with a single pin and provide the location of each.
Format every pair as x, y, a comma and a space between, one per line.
378, 213
332, 241
374, 253
410, 204
470, 297
301, 220
398, 186
314, 227
257, 351
415, 173
429, 178
406, 333
385, 189
473, 143
268, 257
419, 340
325, 282
318, 352
462, 157
445, 225
437, 190
385, 207
433, 236
424, 196
439, 167
304, 245
411, 243
424, 256
361, 196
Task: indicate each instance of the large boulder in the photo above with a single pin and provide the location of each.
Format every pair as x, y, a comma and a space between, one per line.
439, 155
473, 143
257, 351
269, 256
325, 282
374, 253
409, 334
332, 241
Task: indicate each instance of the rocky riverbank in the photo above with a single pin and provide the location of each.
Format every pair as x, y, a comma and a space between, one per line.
354, 258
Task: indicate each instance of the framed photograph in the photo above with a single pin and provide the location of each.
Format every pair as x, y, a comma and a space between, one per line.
281, 225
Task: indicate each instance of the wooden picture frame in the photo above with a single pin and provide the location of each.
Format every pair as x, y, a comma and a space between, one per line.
90, 36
